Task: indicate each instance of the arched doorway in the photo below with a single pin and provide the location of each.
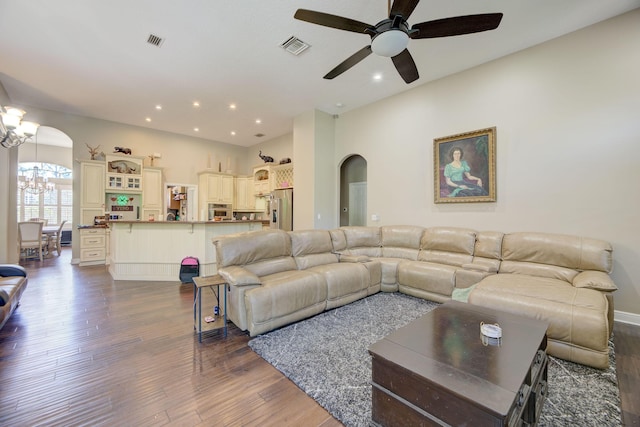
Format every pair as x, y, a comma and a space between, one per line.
353, 191
51, 153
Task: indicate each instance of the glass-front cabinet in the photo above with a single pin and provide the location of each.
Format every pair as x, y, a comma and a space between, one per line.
124, 173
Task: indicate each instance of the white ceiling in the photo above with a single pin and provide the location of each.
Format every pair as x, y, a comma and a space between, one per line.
92, 58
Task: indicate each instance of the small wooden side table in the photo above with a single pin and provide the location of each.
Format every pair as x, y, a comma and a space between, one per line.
221, 320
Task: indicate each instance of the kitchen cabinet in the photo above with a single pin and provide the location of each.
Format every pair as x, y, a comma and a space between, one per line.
262, 180
124, 174
93, 247
214, 189
269, 177
152, 195
92, 182
245, 199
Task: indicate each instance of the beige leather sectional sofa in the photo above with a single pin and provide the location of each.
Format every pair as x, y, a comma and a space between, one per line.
277, 278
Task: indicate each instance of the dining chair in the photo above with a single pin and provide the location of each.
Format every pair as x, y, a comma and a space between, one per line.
44, 221
30, 239
55, 239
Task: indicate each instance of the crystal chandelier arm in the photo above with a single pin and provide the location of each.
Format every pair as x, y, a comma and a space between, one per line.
13, 131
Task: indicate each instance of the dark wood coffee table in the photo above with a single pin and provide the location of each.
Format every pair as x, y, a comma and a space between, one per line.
438, 371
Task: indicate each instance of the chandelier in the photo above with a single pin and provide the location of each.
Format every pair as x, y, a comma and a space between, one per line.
14, 131
36, 183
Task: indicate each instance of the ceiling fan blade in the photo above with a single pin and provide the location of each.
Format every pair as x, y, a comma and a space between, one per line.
456, 26
349, 62
333, 21
406, 66
403, 7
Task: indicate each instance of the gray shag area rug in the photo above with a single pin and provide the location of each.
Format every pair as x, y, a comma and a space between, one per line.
326, 356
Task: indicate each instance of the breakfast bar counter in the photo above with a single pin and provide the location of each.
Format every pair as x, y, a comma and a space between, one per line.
153, 250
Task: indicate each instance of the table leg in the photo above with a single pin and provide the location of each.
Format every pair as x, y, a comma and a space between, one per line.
225, 309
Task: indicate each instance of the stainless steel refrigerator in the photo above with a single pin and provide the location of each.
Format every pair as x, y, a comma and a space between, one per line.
281, 209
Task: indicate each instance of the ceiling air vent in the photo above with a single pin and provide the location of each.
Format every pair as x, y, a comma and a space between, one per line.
294, 45
155, 40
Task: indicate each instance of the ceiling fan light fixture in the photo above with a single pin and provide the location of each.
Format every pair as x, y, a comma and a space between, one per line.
390, 43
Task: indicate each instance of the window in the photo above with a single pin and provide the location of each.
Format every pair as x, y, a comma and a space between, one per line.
55, 206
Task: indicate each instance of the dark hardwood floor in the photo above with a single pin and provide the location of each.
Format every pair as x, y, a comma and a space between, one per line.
83, 349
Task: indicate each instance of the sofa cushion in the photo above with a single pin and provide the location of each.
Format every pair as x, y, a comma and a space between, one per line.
311, 248
488, 244
362, 241
401, 241
427, 276
346, 282
266, 267
578, 317
573, 252
338, 240
285, 293
250, 247
447, 245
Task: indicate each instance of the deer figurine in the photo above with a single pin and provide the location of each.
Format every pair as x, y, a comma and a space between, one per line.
93, 151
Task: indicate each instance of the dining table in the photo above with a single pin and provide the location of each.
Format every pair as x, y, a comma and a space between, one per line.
51, 234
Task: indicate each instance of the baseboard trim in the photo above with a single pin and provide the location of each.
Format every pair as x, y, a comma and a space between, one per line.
625, 317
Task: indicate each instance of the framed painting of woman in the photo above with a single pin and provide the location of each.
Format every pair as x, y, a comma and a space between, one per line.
464, 167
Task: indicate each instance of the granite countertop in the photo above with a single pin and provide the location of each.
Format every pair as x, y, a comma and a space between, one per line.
238, 221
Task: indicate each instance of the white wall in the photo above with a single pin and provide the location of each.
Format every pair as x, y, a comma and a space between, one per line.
62, 156
304, 170
315, 183
8, 182
278, 148
567, 118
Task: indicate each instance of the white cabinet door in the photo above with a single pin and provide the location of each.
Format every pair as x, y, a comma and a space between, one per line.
226, 189
92, 176
213, 188
262, 180
152, 185
218, 188
245, 199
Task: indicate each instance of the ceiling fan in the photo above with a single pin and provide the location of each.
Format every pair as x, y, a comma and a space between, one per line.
390, 36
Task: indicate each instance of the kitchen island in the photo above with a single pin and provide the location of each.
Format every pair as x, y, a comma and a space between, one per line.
153, 250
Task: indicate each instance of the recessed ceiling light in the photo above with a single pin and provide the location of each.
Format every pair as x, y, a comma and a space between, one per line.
158, 107
233, 133
339, 104
377, 77
196, 129
232, 106
258, 121
196, 104
148, 119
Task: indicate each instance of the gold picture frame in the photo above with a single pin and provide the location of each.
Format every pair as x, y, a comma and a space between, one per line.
464, 167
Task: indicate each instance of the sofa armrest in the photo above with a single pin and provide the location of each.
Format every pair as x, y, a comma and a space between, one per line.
597, 280
238, 276
7, 270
